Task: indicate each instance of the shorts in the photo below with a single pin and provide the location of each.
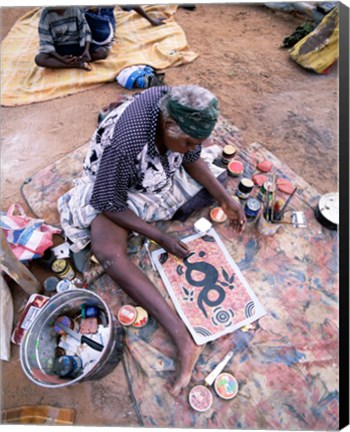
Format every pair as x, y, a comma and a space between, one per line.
74, 49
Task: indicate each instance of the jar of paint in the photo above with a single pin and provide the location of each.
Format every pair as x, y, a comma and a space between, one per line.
228, 153
267, 228
267, 186
200, 398
50, 284
63, 269
245, 187
252, 208
218, 215
68, 366
235, 168
226, 386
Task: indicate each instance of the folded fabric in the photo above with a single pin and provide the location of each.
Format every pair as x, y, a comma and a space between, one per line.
42, 414
136, 42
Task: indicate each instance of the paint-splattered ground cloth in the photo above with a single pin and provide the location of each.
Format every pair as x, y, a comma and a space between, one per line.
136, 42
286, 363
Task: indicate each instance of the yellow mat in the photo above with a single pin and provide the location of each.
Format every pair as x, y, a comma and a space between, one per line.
136, 42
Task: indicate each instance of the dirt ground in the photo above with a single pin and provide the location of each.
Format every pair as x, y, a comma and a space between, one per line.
292, 112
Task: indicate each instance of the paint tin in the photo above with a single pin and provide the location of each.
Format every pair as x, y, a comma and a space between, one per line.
127, 315
267, 228
244, 188
252, 208
218, 215
63, 269
200, 398
226, 386
68, 366
267, 186
64, 285
228, 153
141, 317
50, 284
235, 168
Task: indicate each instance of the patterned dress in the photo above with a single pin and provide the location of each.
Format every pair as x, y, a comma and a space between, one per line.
123, 169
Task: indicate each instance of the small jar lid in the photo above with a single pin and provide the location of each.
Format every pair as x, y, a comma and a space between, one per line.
235, 167
253, 204
59, 265
141, 317
218, 215
127, 315
63, 285
226, 386
200, 398
229, 150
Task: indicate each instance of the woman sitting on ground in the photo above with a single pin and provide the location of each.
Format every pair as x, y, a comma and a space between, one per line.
144, 163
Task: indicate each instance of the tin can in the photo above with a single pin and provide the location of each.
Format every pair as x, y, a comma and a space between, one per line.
200, 398
267, 228
63, 269
127, 315
50, 284
235, 168
141, 317
244, 188
64, 285
228, 153
68, 366
267, 186
226, 386
252, 208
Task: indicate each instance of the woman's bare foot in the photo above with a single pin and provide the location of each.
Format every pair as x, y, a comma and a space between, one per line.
187, 358
85, 65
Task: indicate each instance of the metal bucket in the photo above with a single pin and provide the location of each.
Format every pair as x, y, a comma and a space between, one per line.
37, 350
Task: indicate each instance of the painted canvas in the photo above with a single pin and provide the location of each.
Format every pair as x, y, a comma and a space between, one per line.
207, 288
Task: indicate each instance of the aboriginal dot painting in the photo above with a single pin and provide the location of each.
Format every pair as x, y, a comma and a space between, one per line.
207, 288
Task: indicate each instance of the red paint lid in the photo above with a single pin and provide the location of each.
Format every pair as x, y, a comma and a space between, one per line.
218, 215
127, 315
141, 317
235, 167
200, 398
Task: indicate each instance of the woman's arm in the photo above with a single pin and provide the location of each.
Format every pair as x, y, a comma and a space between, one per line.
200, 172
143, 13
130, 221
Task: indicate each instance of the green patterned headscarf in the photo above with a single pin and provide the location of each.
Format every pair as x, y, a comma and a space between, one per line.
195, 123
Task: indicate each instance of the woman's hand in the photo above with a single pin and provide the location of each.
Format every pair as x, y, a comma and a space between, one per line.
86, 57
174, 246
235, 213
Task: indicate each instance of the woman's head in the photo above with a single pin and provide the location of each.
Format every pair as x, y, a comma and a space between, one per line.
189, 113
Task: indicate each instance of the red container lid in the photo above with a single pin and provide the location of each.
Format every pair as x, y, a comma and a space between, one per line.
235, 167
127, 315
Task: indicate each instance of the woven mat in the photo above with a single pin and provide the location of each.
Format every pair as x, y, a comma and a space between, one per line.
286, 362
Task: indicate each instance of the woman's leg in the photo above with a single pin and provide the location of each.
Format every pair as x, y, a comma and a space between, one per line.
109, 245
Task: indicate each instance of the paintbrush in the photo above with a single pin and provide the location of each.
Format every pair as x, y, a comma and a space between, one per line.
218, 369
280, 214
273, 197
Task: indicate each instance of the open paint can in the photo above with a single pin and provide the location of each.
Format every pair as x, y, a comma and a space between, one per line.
235, 168
218, 215
327, 210
228, 153
245, 186
226, 386
200, 398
